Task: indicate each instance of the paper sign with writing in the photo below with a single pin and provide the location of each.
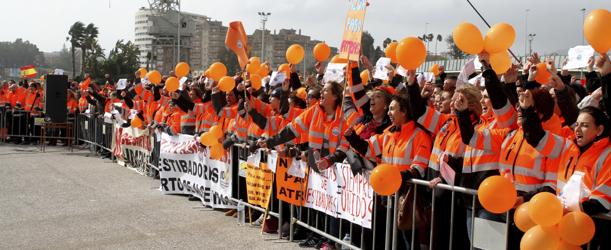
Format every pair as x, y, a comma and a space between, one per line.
381, 71
350, 47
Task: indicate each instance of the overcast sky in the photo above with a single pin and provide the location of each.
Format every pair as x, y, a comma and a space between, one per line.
556, 23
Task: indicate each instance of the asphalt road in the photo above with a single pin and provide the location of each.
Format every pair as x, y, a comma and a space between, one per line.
63, 200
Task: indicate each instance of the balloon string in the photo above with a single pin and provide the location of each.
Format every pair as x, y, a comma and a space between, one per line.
487, 24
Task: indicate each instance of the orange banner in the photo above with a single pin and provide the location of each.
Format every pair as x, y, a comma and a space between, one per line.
259, 185
289, 188
350, 47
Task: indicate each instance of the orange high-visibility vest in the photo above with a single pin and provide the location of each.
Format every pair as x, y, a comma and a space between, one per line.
447, 136
174, 120
595, 162
31, 101
407, 149
530, 169
72, 105
320, 132
4, 96
82, 104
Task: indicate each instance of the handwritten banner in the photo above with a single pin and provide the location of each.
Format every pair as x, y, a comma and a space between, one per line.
258, 185
350, 47
289, 188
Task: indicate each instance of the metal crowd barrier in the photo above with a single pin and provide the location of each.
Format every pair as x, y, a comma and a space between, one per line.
390, 234
19, 126
95, 132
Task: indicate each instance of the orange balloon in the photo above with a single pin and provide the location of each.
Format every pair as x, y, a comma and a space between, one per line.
285, 68
391, 51
142, 72
136, 122
321, 52
576, 228
497, 194
365, 76
538, 238
468, 38
263, 70
154, 76
543, 75
217, 151
254, 65
182, 69
337, 59
294, 54
208, 139
545, 209
566, 246
385, 179
171, 84
217, 71
226, 84
522, 218
597, 30
216, 131
255, 81
411, 53
499, 37
500, 62
435, 69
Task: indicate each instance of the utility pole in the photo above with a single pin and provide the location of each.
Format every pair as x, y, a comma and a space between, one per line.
264, 16
526, 34
178, 37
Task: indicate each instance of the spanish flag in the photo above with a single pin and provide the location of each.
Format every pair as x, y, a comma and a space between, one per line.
28, 71
237, 41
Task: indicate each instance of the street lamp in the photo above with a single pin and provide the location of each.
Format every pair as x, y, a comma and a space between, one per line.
531, 37
264, 16
583, 19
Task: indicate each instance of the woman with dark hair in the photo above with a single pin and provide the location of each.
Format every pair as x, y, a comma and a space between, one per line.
404, 145
585, 159
321, 126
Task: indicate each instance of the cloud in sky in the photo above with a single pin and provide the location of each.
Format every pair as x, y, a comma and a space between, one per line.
557, 23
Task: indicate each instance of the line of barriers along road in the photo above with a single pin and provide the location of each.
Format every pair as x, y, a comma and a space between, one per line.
96, 134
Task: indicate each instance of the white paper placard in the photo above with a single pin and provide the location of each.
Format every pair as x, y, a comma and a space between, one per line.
381, 72
334, 72
578, 57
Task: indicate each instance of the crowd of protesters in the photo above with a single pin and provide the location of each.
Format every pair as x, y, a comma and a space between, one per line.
539, 134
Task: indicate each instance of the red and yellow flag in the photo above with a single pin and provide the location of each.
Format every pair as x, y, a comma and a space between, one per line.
237, 41
28, 71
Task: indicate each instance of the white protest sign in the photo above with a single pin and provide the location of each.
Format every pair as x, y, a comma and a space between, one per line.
381, 72
578, 57
297, 168
339, 193
122, 84
467, 70
182, 82
186, 168
277, 78
335, 72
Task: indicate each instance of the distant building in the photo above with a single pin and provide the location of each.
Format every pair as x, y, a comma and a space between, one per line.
202, 41
276, 45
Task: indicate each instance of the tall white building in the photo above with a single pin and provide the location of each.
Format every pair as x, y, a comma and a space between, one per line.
156, 36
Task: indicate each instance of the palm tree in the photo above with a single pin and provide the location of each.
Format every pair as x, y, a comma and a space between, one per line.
90, 40
76, 35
